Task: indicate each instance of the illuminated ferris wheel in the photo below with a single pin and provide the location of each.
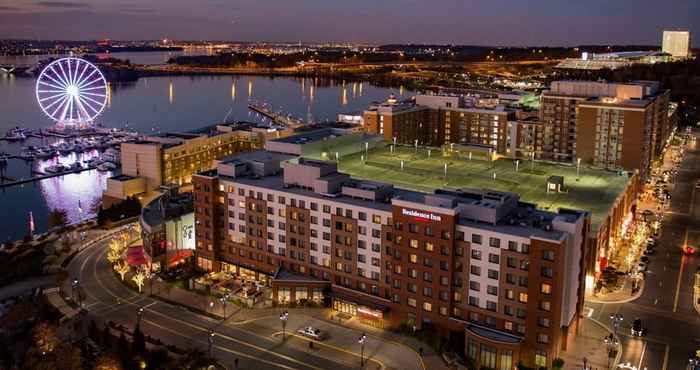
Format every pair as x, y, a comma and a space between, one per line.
71, 91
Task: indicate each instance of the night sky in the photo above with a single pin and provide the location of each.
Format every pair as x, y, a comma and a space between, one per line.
483, 22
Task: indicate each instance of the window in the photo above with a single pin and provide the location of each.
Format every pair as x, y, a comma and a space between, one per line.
542, 338
548, 255
522, 298
413, 258
512, 246
476, 254
488, 357
428, 292
511, 262
495, 242
427, 276
413, 243
492, 290
443, 311
521, 313
427, 307
546, 289
506, 362
493, 274
429, 246
493, 258
543, 322
411, 287
508, 310
411, 302
473, 301
510, 294
476, 238
546, 306
508, 325
362, 216
377, 219
491, 306
525, 248
547, 272
474, 285
475, 270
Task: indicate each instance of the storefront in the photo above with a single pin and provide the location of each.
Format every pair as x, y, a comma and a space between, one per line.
365, 309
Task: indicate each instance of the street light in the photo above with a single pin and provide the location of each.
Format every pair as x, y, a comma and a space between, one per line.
362, 340
211, 341
151, 276
139, 314
223, 301
75, 290
284, 316
616, 319
611, 344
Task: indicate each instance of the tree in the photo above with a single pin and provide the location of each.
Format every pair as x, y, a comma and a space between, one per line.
45, 338
122, 345
139, 278
122, 268
57, 218
115, 251
108, 361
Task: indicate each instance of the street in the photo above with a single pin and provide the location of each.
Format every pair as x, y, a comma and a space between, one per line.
256, 342
666, 303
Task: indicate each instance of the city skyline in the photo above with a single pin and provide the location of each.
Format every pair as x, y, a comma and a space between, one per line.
501, 22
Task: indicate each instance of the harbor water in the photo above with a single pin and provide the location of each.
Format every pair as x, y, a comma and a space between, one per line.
150, 106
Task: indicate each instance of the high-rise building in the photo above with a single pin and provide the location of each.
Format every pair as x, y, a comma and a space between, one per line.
479, 266
676, 43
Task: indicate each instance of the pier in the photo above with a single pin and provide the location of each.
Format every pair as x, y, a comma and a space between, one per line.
279, 118
41, 176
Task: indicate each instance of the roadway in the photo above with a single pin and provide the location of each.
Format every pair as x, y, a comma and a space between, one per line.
257, 342
666, 303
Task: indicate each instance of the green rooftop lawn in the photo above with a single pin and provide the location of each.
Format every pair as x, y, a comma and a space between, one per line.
594, 191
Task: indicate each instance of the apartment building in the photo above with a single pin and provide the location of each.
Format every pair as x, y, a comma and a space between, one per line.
616, 126
436, 120
478, 266
676, 43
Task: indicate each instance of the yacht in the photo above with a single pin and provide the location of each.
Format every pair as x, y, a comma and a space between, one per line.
57, 168
76, 166
65, 148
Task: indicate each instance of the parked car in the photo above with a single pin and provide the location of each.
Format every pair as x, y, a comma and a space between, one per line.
637, 329
644, 259
649, 251
311, 332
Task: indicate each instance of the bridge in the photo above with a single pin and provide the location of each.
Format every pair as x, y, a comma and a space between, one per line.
277, 117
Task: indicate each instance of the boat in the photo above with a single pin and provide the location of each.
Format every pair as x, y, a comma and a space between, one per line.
57, 168
112, 155
106, 166
75, 166
66, 148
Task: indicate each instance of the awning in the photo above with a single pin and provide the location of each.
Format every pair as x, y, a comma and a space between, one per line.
178, 255
360, 299
493, 334
136, 256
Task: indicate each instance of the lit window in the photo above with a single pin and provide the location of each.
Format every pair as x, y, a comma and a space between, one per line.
427, 307
522, 298
546, 289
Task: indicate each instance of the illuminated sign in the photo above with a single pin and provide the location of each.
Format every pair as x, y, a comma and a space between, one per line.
421, 216
369, 312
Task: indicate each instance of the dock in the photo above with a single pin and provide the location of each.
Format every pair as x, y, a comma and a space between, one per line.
44, 176
286, 120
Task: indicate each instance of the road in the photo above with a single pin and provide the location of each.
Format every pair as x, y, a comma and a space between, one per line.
257, 342
666, 304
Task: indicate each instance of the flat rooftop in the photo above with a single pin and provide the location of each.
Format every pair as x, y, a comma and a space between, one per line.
309, 137
594, 190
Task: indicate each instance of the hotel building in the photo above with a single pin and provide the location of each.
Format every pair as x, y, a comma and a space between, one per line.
480, 267
676, 43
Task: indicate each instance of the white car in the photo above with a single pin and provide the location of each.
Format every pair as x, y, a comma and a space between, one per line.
311, 332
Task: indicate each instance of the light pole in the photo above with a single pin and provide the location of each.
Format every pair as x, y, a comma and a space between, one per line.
362, 340
75, 291
611, 344
616, 320
139, 314
211, 342
578, 166
223, 301
284, 316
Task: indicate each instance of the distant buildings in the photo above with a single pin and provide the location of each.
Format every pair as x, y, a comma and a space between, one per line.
173, 158
437, 120
676, 43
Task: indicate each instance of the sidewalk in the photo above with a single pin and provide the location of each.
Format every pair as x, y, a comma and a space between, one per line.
588, 344
235, 315
622, 295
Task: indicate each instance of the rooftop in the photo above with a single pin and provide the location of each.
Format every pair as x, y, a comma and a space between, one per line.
594, 190
166, 207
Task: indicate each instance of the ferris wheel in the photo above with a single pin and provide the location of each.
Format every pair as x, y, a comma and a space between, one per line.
71, 91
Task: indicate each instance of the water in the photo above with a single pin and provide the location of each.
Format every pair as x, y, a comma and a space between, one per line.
151, 105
